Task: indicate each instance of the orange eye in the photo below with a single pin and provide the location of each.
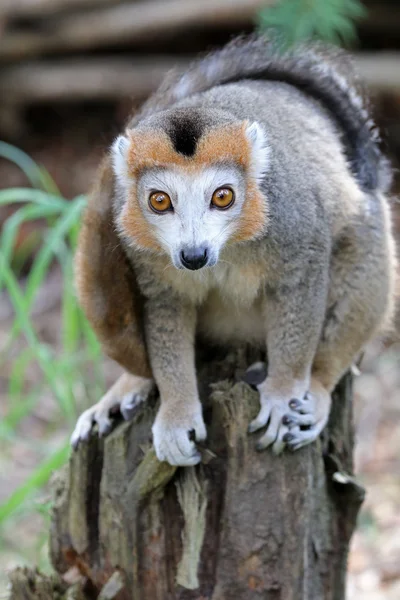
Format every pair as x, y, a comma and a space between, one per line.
160, 202
223, 198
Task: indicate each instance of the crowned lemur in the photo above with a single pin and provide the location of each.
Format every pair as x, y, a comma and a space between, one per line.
245, 202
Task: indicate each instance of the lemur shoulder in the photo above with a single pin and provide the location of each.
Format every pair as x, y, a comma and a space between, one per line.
245, 202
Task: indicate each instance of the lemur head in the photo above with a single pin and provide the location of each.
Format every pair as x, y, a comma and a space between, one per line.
189, 182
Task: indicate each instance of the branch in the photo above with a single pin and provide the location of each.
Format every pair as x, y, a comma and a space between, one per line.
379, 71
40, 8
80, 79
113, 78
127, 23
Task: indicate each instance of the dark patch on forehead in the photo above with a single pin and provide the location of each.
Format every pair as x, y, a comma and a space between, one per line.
185, 130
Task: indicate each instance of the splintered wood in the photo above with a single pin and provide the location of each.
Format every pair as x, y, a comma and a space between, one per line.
245, 525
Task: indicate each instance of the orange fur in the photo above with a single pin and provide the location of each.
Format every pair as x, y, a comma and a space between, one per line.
254, 215
106, 283
154, 149
134, 224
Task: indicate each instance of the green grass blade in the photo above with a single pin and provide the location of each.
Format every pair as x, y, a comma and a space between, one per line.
38, 176
13, 195
41, 352
38, 478
46, 254
9, 233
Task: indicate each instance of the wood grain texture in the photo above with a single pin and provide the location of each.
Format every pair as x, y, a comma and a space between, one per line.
273, 527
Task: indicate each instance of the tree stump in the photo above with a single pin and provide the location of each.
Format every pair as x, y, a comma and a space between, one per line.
242, 525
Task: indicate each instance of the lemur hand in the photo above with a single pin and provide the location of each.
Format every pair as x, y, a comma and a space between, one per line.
276, 410
175, 428
294, 418
307, 416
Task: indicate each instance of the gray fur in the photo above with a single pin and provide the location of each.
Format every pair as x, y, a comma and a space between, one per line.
314, 69
318, 282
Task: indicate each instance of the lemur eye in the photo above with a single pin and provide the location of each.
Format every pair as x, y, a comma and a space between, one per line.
223, 198
160, 202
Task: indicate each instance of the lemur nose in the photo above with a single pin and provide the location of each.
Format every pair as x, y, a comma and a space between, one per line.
194, 258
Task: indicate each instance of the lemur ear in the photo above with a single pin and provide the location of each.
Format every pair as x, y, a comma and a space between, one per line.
119, 153
260, 151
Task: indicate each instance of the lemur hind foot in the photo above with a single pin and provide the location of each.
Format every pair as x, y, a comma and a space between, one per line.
124, 396
292, 423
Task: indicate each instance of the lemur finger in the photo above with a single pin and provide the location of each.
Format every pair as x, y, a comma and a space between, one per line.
104, 424
300, 438
183, 461
293, 420
176, 445
280, 443
129, 404
179, 450
302, 406
261, 419
187, 457
200, 432
271, 434
83, 428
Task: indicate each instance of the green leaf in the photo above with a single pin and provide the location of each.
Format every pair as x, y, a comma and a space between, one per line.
301, 20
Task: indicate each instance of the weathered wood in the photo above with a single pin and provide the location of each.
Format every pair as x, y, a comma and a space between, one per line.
379, 70
30, 584
114, 78
44, 8
245, 525
127, 23
107, 78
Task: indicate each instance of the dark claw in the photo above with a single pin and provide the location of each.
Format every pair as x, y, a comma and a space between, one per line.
294, 403
287, 420
128, 412
288, 437
255, 376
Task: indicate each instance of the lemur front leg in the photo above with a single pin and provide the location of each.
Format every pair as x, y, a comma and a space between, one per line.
127, 393
170, 334
294, 318
361, 281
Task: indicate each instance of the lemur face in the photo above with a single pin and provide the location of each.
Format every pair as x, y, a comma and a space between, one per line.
188, 194
192, 215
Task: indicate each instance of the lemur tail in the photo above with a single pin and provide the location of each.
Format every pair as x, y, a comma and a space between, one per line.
314, 69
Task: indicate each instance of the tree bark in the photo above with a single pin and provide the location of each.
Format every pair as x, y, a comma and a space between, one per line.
242, 525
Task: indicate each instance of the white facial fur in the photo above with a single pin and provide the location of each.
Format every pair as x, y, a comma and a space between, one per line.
193, 223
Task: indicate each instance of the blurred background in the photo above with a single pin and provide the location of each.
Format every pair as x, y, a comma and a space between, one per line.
71, 72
